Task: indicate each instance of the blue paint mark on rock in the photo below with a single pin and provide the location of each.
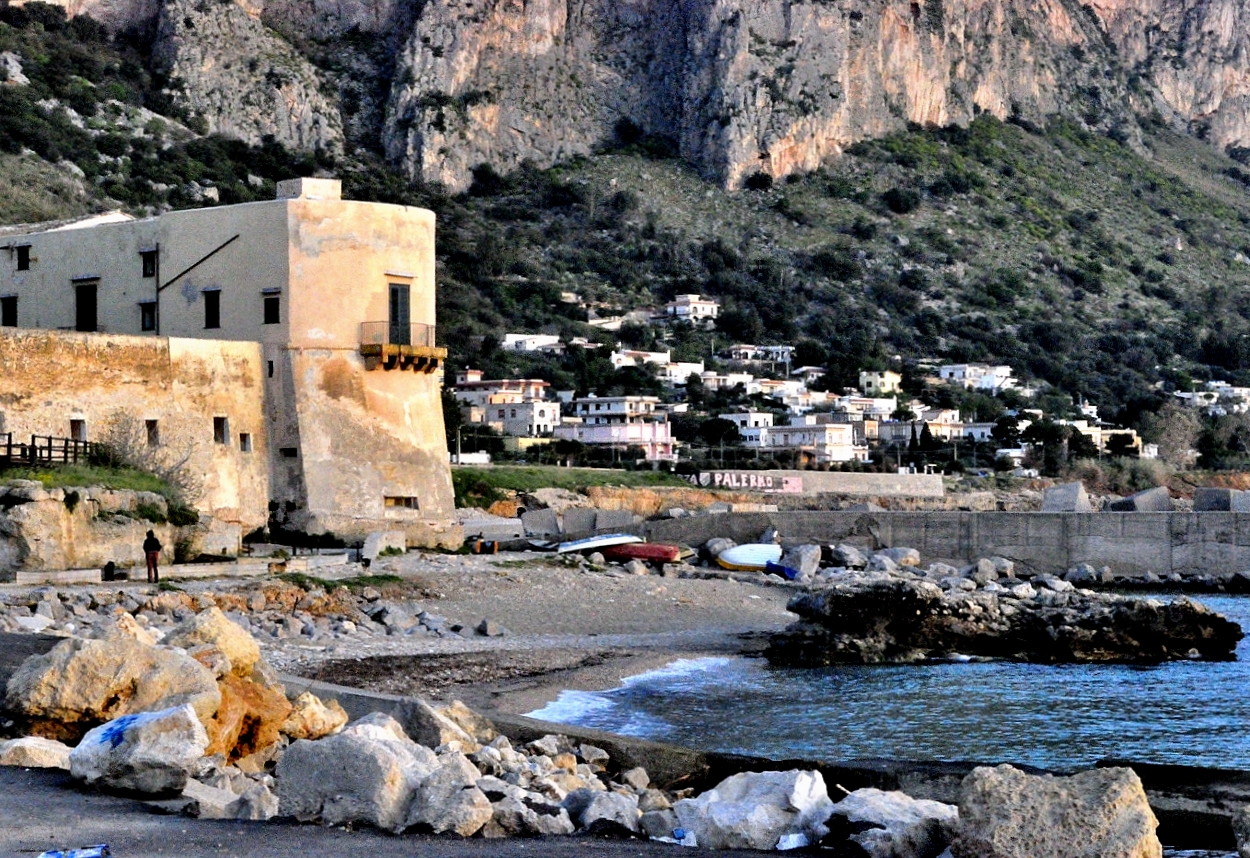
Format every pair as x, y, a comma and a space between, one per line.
114, 732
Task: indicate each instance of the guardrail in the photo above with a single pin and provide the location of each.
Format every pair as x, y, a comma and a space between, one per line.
44, 450
387, 334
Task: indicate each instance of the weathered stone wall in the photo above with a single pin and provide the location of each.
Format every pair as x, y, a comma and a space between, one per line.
1130, 543
116, 383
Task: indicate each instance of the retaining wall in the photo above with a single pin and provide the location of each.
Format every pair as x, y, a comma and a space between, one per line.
823, 482
1130, 543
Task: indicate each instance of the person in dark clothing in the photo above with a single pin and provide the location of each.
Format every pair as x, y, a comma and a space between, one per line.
152, 551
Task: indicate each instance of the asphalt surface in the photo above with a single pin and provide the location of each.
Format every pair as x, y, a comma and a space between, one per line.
41, 810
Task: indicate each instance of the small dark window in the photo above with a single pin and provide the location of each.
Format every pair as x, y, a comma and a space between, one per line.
289, 452
149, 262
401, 502
78, 430
212, 309
23, 257
221, 430
154, 432
8, 312
147, 316
245, 442
273, 309
271, 369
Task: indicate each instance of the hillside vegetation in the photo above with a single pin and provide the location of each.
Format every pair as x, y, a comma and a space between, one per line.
1112, 274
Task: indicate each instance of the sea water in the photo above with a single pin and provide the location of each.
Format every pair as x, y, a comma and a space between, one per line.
1055, 717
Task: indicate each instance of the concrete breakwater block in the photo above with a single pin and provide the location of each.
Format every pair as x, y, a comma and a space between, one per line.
1069, 497
612, 520
1151, 500
1210, 499
381, 540
541, 522
579, 521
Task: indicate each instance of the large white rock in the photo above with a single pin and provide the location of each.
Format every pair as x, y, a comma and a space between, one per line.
449, 800
310, 718
587, 806
89, 681
755, 810
214, 628
368, 773
34, 752
1005, 813
149, 752
909, 827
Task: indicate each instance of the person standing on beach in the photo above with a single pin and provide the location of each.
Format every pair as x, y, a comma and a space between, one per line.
152, 551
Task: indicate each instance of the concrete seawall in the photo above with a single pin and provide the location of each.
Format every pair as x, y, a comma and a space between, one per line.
1130, 543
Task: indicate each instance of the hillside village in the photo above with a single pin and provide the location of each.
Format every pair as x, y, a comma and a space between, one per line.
752, 399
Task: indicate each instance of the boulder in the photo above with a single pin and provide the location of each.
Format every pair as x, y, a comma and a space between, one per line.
310, 718
430, 727
212, 627
717, 545
902, 826
257, 802
1150, 500
34, 752
79, 684
805, 559
513, 817
588, 806
981, 572
369, 772
449, 800
478, 726
902, 556
755, 810
849, 556
1005, 813
1069, 497
1082, 575
1241, 829
151, 753
250, 718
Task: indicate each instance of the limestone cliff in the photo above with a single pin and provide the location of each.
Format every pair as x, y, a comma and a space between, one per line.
242, 78
1191, 59
771, 85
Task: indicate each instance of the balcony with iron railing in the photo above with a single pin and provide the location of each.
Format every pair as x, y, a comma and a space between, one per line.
408, 346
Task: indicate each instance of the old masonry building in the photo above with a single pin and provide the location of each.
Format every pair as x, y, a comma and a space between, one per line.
284, 350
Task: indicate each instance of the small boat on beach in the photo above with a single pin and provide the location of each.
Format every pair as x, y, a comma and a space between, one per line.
649, 552
597, 543
753, 557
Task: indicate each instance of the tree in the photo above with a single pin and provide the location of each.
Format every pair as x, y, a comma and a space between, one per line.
1175, 429
718, 431
1121, 446
1006, 431
928, 443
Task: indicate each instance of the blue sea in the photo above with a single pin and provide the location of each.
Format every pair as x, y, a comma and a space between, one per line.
1058, 718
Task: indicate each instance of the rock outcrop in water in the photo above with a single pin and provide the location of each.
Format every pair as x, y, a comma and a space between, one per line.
899, 616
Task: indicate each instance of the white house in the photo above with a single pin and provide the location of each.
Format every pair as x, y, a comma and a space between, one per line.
529, 342
750, 419
692, 308
621, 421
824, 443
879, 383
977, 376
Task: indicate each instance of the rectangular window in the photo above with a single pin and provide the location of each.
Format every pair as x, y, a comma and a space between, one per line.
273, 309
149, 262
401, 502
153, 428
289, 452
221, 430
245, 442
271, 369
8, 312
23, 257
78, 430
147, 316
212, 309
85, 306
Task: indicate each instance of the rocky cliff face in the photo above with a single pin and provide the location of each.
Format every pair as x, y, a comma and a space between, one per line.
1190, 59
243, 78
768, 85
773, 85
